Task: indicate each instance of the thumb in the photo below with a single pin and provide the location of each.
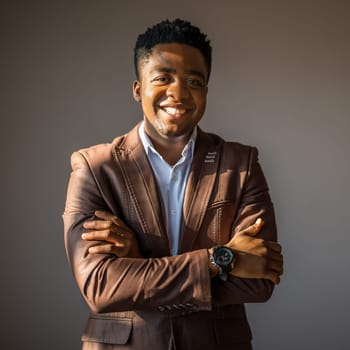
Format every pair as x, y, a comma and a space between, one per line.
253, 229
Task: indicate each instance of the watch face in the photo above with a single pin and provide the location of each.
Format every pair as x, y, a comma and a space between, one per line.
223, 256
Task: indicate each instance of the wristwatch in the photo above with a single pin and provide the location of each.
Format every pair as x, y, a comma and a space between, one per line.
223, 259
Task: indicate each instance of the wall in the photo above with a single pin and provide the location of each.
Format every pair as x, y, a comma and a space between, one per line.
280, 81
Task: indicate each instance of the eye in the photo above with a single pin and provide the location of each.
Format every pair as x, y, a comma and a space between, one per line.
195, 83
161, 80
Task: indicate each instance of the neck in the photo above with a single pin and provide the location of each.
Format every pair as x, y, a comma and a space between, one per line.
170, 150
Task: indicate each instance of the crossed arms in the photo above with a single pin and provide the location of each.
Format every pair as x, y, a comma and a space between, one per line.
255, 257
113, 276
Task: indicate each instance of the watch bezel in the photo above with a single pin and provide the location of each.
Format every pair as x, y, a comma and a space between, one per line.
224, 266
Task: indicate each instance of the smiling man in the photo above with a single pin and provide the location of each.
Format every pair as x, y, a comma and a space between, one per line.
170, 230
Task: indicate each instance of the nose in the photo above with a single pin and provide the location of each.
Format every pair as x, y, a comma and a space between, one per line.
178, 90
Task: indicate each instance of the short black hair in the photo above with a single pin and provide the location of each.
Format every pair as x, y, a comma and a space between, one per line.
166, 32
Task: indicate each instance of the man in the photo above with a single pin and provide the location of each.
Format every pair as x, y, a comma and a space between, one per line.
170, 230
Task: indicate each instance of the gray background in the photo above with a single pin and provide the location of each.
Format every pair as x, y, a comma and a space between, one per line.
280, 82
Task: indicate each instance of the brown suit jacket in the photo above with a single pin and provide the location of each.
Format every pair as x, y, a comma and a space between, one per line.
162, 301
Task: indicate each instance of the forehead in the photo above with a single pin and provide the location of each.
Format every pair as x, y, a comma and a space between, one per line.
178, 57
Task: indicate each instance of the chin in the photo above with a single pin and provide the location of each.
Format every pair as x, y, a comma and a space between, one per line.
176, 135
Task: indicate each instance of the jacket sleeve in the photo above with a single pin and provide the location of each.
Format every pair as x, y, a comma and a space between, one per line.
111, 284
254, 202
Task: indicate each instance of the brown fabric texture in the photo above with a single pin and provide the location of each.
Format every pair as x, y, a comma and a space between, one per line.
163, 301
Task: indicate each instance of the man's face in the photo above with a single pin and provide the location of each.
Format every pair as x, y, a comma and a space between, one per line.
172, 90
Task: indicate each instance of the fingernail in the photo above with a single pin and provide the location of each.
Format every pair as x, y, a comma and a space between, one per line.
84, 235
258, 221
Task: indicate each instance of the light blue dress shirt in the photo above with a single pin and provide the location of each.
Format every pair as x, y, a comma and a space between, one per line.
171, 181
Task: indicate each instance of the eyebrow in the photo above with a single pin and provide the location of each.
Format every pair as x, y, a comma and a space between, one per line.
173, 70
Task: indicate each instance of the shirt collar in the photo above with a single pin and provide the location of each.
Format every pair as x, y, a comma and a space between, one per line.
148, 146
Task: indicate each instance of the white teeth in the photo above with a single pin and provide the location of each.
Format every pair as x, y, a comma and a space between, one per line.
174, 111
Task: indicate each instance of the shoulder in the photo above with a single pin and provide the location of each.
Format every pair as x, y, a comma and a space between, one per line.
238, 156
230, 149
91, 155
103, 154
96, 155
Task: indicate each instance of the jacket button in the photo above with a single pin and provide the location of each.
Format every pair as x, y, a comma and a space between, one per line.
161, 308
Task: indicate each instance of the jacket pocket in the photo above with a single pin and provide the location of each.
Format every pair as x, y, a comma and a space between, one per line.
218, 221
108, 330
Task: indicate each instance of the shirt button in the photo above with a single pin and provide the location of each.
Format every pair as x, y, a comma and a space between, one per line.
173, 211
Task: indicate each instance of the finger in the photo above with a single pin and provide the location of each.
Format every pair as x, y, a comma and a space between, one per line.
112, 218
97, 224
105, 215
102, 235
116, 231
273, 277
103, 249
259, 221
252, 230
109, 217
258, 224
276, 267
120, 251
275, 257
272, 250
105, 236
274, 246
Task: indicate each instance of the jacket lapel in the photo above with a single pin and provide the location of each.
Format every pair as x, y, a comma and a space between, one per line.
141, 184
143, 191
199, 188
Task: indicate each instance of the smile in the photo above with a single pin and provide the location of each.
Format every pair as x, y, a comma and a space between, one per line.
174, 111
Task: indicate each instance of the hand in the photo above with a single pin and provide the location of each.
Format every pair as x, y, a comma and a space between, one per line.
113, 235
256, 257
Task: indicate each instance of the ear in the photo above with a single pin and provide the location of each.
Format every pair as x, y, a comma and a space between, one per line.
136, 88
